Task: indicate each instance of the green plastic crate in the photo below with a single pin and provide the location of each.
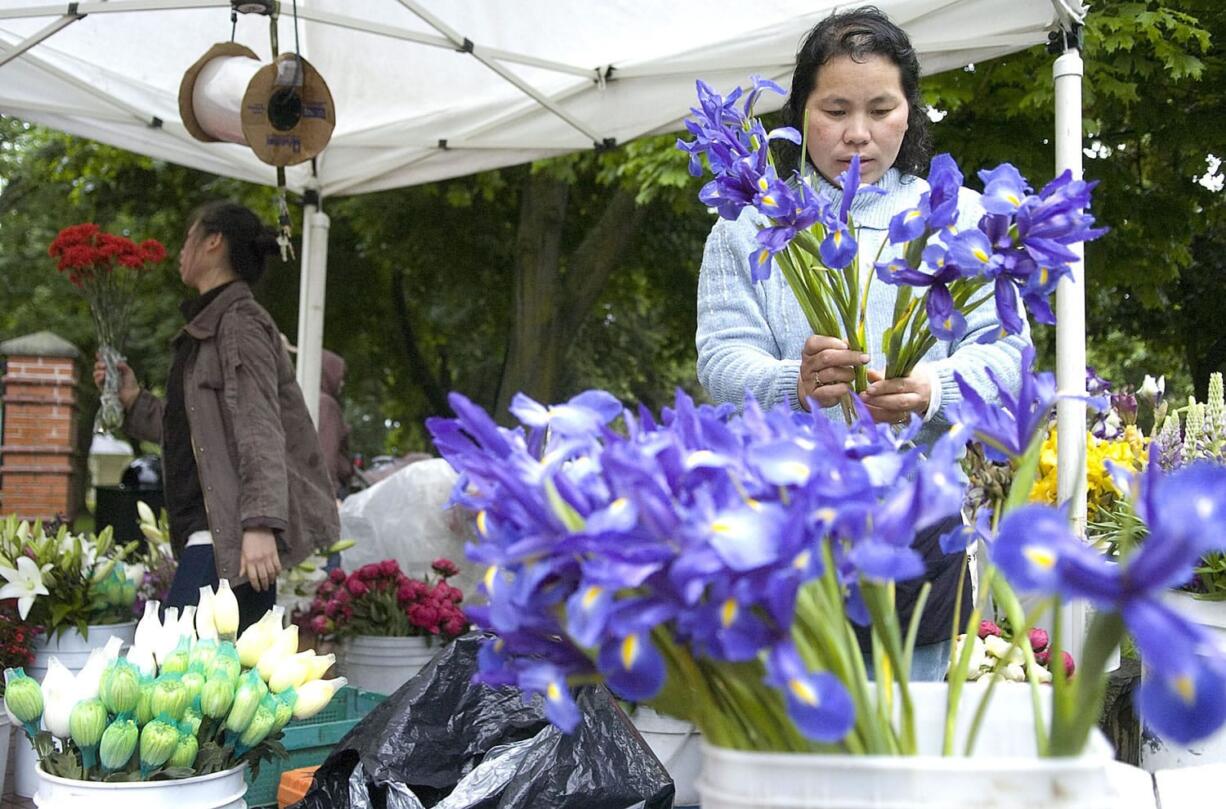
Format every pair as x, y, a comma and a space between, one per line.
309, 741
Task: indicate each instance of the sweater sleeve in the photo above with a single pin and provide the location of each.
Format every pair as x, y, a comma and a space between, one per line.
736, 349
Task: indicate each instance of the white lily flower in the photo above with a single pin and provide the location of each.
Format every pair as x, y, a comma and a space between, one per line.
1152, 390
25, 583
135, 572
187, 622
315, 695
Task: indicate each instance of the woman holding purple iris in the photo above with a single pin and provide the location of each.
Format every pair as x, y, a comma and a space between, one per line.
855, 92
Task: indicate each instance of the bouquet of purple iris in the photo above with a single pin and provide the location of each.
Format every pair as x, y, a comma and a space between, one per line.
711, 565
1020, 246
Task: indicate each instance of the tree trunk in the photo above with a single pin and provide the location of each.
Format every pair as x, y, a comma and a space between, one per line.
435, 392
553, 294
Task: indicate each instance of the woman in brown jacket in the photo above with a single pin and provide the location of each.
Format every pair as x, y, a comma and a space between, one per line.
247, 488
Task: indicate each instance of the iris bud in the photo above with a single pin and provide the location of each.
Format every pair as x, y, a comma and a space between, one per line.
193, 681
314, 696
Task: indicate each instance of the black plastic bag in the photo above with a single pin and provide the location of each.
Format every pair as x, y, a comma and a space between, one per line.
440, 730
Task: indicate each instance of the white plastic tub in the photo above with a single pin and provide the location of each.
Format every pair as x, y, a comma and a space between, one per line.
678, 745
1004, 772
73, 650
382, 665
221, 790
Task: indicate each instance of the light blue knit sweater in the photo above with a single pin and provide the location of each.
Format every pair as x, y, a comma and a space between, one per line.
750, 335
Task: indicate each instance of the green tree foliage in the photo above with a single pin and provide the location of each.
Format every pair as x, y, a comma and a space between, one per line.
1153, 98
581, 271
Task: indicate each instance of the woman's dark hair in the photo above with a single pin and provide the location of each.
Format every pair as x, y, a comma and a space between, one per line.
248, 240
860, 33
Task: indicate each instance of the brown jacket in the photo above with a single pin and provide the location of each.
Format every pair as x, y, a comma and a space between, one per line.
256, 449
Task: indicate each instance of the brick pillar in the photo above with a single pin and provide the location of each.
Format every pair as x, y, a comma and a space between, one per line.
41, 457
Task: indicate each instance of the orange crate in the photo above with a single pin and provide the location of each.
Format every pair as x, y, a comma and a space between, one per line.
294, 785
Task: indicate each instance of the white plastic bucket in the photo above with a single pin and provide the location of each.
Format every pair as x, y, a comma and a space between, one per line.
219, 790
73, 650
382, 665
1158, 753
6, 733
678, 745
1004, 770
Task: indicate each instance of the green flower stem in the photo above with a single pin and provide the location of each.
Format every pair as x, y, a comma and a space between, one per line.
1020, 640
880, 602
957, 676
921, 601
682, 669
817, 640
1103, 638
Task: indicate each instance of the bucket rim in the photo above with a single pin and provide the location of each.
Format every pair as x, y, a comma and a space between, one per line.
103, 786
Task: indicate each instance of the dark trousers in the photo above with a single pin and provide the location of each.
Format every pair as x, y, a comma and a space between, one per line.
197, 569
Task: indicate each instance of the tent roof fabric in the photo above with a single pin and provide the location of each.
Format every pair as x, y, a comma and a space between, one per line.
431, 89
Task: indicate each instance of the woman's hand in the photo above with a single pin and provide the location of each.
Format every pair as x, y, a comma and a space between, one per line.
827, 368
128, 388
259, 562
894, 400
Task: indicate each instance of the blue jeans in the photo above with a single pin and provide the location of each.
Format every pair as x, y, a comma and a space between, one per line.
928, 662
197, 569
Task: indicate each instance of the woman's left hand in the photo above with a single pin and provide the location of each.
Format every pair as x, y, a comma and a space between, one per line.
894, 400
259, 562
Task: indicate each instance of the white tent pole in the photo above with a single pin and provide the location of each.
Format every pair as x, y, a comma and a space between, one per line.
34, 39
1071, 328
312, 284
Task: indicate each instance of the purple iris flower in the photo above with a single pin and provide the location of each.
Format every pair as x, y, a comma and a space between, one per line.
849, 181
578, 417
549, 682
839, 247
818, 703
1004, 189
907, 225
632, 666
1184, 690
940, 205
1006, 429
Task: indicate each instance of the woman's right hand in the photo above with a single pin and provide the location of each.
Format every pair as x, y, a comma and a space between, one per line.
128, 388
827, 369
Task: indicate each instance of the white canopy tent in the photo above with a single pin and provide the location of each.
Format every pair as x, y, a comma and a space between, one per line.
431, 89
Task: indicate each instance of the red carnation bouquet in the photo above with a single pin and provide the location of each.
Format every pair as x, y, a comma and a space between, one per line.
104, 268
16, 638
379, 599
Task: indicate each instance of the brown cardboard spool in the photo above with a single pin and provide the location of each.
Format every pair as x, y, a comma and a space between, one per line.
308, 134
188, 85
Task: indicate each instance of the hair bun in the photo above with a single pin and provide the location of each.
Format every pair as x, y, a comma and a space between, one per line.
266, 243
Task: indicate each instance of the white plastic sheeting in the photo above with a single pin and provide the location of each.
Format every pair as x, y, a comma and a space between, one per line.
542, 78
404, 517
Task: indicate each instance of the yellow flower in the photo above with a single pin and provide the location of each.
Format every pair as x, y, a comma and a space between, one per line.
1130, 451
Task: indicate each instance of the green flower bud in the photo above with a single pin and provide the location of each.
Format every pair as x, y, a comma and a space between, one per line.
144, 705
257, 729
185, 752
170, 697
246, 700
226, 659
120, 687
177, 661
216, 697
87, 722
158, 741
23, 697
191, 721
118, 744
193, 681
203, 653
284, 710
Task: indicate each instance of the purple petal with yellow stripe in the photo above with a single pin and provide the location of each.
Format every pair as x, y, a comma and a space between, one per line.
818, 703
632, 666
549, 682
